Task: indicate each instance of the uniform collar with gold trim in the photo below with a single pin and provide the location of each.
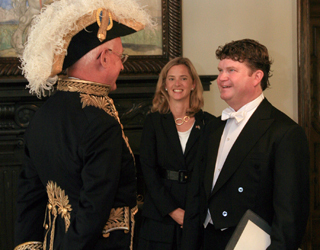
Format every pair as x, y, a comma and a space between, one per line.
82, 86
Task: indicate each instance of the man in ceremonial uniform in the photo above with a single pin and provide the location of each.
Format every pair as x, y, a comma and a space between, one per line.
77, 189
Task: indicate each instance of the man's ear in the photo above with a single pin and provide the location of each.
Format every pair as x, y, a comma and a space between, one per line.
258, 75
104, 58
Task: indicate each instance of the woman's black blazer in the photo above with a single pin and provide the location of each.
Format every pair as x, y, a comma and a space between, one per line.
161, 150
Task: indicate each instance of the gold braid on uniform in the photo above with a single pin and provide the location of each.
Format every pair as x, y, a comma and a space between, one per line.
120, 219
31, 245
58, 204
93, 94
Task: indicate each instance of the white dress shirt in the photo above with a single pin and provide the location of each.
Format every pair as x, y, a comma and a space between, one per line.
230, 134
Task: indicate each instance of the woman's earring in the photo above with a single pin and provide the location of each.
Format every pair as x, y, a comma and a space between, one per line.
166, 89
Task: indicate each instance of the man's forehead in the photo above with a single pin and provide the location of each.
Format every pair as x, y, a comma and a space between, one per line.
227, 62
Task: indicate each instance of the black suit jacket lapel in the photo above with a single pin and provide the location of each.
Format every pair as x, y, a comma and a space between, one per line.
257, 125
172, 136
195, 132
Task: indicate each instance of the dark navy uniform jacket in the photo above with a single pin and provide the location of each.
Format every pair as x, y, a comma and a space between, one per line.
81, 150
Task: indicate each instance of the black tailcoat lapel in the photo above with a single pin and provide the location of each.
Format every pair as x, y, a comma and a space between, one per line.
212, 146
257, 125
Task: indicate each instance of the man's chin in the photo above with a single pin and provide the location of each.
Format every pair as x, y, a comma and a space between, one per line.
113, 87
224, 97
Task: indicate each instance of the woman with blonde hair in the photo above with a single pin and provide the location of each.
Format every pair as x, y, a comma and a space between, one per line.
168, 150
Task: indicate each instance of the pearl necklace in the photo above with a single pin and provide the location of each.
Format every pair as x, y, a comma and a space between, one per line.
180, 121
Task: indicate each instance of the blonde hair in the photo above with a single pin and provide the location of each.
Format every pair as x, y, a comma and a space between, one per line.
160, 101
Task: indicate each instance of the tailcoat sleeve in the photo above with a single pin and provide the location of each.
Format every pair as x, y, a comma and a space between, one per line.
290, 190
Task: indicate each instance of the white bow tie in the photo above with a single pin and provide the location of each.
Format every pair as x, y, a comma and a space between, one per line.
229, 113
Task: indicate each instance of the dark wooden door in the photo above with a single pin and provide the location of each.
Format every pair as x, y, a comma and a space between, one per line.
315, 122
309, 106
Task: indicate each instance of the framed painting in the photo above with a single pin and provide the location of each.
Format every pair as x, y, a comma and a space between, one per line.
149, 50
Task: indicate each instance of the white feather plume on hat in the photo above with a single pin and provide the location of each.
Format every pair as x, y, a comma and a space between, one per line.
61, 19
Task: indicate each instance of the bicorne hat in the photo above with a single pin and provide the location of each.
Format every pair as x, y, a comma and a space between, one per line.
66, 30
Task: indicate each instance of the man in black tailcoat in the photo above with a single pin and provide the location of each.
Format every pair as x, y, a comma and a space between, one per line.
254, 158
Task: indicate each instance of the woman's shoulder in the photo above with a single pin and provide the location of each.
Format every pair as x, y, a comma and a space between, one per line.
156, 115
206, 116
153, 118
153, 114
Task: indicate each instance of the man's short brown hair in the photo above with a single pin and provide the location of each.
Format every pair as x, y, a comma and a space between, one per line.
251, 52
